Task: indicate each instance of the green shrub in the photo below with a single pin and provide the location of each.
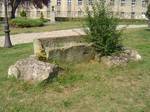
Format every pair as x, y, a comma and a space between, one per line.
102, 29
1, 18
23, 14
42, 16
24, 22
45, 20
148, 14
68, 19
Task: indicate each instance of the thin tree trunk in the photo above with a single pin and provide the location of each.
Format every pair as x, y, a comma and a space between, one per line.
13, 11
14, 6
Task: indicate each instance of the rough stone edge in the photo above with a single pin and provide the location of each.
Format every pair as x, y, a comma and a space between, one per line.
103, 59
39, 50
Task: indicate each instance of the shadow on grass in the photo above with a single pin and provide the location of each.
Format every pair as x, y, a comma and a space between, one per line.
52, 77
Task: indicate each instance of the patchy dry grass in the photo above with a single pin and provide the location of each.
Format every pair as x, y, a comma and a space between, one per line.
84, 87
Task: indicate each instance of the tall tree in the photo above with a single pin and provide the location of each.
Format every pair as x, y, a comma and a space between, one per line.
148, 14
15, 3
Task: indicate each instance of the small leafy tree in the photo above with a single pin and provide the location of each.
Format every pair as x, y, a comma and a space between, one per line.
148, 14
23, 14
102, 29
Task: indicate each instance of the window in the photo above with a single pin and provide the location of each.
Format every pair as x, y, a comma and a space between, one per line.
90, 2
28, 13
49, 2
58, 13
132, 15
123, 2
27, 4
69, 6
80, 13
133, 2
69, 2
112, 2
69, 13
48, 14
38, 13
79, 2
122, 14
144, 3
143, 15
58, 2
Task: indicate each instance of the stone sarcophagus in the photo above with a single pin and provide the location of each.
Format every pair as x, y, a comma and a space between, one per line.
64, 49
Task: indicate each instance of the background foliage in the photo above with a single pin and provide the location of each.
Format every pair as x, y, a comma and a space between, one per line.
23, 14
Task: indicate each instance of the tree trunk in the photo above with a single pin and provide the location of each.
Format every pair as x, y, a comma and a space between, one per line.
13, 11
14, 5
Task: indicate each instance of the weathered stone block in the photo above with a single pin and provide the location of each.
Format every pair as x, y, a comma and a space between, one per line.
32, 70
39, 50
72, 52
64, 49
123, 57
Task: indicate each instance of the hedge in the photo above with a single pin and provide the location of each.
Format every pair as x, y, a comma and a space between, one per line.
68, 19
25, 22
1, 18
82, 19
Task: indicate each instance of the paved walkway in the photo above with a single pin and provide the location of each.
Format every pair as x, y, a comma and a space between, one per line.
29, 37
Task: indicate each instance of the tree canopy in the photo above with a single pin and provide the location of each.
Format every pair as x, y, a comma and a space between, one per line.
15, 3
148, 12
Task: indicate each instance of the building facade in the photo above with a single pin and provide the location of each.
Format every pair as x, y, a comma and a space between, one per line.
125, 9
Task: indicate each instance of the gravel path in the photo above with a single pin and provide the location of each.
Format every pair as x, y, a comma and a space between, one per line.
29, 37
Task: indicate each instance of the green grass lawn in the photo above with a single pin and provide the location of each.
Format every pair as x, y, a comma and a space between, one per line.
85, 87
46, 28
59, 26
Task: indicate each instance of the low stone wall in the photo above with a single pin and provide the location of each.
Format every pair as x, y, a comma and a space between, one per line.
64, 49
74, 49
59, 41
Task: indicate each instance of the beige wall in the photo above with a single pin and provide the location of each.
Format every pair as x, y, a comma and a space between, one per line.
123, 11
75, 10
128, 8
